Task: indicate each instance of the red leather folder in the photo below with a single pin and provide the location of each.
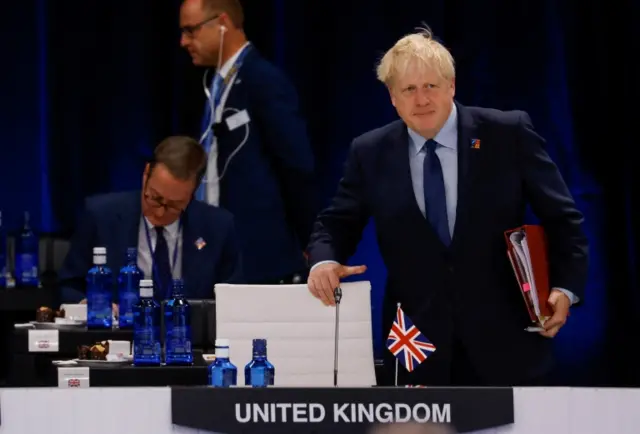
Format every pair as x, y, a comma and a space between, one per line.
538, 265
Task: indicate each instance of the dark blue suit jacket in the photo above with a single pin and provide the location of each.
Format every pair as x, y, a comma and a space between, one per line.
468, 291
269, 184
113, 221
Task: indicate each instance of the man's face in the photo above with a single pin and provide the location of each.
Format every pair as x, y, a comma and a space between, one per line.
164, 197
423, 99
200, 33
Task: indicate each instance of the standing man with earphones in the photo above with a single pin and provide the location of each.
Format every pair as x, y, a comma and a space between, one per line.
260, 164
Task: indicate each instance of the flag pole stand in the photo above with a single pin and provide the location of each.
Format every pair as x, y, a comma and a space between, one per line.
396, 372
396, 379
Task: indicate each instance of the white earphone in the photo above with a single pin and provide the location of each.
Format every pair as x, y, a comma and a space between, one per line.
223, 29
207, 93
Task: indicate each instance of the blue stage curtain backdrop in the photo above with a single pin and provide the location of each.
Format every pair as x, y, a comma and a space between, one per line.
89, 88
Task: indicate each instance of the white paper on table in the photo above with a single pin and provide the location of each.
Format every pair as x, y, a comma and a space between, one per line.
74, 378
43, 341
300, 332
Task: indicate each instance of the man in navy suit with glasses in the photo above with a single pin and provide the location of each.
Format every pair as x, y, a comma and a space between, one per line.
176, 237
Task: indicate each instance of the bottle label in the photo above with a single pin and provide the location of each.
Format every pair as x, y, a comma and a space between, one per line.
179, 340
261, 377
257, 377
127, 300
145, 343
27, 268
223, 377
99, 305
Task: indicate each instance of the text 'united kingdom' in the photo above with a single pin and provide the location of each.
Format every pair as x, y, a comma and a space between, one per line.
298, 412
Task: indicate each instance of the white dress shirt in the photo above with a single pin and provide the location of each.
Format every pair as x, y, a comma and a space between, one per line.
447, 153
212, 185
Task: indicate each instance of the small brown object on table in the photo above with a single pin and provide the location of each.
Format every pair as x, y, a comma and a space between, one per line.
46, 314
83, 352
98, 352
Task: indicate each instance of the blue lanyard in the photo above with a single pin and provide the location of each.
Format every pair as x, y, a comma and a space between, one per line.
154, 270
232, 72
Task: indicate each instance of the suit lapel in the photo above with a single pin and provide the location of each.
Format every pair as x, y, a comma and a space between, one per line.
467, 157
191, 256
400, 189
236, 99
238, 82
401, 171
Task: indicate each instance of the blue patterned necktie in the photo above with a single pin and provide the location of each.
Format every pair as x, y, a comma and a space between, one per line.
435, 201
162, 265
217, 90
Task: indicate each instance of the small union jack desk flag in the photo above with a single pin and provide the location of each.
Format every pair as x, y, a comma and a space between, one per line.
407, 343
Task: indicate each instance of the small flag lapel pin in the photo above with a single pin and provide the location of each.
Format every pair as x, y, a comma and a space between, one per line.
475, 143
200, 243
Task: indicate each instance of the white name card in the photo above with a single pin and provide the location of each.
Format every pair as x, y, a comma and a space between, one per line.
44, 341
73, 378
237, 120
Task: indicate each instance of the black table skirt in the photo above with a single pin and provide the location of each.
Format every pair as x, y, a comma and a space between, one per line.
143, 376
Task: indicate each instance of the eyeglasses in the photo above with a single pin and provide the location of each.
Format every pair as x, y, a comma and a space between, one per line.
159, 202
190, 30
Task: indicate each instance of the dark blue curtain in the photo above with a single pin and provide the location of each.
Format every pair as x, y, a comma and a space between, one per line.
88, 88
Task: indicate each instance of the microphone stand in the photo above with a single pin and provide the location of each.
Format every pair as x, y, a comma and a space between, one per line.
337, 294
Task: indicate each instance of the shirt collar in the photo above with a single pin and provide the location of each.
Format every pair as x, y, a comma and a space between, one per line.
172, 229
447, 136
226, 67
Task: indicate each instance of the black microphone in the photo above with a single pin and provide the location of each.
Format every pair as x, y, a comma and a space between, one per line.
337, 294
220, 129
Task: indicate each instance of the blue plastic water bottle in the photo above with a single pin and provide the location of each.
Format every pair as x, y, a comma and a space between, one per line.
27, 249
99, 292
222, 373
128, 288
147, 350
177, 323
259, 372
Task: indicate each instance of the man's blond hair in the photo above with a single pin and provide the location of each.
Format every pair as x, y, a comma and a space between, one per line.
419, 49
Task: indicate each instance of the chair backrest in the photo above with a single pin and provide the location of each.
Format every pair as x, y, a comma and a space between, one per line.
53, 251
300, 332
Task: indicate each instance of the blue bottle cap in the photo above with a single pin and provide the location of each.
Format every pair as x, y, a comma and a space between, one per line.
259, 347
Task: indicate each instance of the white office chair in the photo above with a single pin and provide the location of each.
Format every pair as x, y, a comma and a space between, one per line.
300, 332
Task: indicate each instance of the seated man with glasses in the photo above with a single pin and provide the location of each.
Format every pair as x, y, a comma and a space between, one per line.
175, 236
